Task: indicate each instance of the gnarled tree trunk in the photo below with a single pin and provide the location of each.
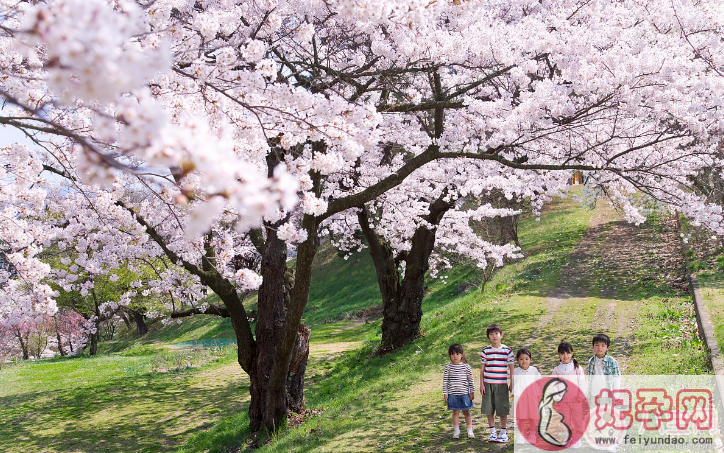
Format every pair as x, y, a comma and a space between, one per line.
23, 345
509, 229
281, 302
297, 368
268, 399
402, 296
94, 343
139, 319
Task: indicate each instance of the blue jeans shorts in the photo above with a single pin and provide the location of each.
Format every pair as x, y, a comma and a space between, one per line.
459, 402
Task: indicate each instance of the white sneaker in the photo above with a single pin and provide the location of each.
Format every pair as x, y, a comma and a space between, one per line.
492, 437
502, 436
456, 433
470, 433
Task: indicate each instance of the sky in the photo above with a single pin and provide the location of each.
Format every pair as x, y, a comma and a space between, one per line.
10, 135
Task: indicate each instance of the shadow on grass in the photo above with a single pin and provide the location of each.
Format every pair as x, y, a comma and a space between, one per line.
151, 412
436, 434
361, 395
712, 279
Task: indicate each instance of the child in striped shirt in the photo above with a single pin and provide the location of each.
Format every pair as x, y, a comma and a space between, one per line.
497, 365
458, 388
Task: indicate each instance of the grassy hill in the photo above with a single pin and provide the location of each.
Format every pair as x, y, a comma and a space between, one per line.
148, 395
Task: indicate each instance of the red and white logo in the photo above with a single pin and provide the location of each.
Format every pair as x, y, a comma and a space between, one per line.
552, 413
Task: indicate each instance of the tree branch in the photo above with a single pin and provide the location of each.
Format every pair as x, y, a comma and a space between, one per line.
210, 310
203, 275
372, 192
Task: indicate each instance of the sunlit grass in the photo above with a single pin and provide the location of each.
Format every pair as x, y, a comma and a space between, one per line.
147, 397
712, 286
113, 403
375, 403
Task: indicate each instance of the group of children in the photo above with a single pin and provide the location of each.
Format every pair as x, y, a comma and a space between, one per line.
498, 365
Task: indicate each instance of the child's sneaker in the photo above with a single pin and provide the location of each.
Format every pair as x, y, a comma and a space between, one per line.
502, 436
492, 437
470, 433
456, 433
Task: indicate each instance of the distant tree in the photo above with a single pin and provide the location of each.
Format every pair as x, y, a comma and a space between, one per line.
69, 332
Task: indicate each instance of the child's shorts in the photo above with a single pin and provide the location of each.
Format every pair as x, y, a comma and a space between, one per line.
496, 400
459, 402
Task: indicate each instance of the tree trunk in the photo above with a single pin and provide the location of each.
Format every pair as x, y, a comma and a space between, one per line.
141, 326
95, 336
57, 335
94, 343
388, 279
125, 319
268, 402
40, 344
401, 325
266, 358
297, 368
281, 301
402, 298
23, 345
509, 229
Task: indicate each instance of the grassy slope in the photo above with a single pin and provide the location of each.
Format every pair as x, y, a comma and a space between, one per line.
111, 403
706, 261
142, 397
712, 285
340, 288
393, 403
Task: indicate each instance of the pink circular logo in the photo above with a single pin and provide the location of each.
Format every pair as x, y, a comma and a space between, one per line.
552, 413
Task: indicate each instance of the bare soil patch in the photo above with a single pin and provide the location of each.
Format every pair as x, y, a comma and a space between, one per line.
600, 288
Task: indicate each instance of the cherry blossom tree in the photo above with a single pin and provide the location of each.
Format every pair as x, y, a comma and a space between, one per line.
70, 336
43, 336
415, 227
9, 347
32, 336
247, 126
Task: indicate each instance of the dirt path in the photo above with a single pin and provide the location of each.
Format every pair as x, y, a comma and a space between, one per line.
601, 288
593, 291
571, 276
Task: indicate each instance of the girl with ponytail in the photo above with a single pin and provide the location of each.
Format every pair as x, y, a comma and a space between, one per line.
573, 373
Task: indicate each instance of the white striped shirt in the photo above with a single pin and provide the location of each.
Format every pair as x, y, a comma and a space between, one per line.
457, 379
495, 364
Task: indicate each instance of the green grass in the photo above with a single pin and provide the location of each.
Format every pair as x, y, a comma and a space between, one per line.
113, 403
141, 396
668, 341
393, 403
146, 397
340, 287
712, 286
705, 258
